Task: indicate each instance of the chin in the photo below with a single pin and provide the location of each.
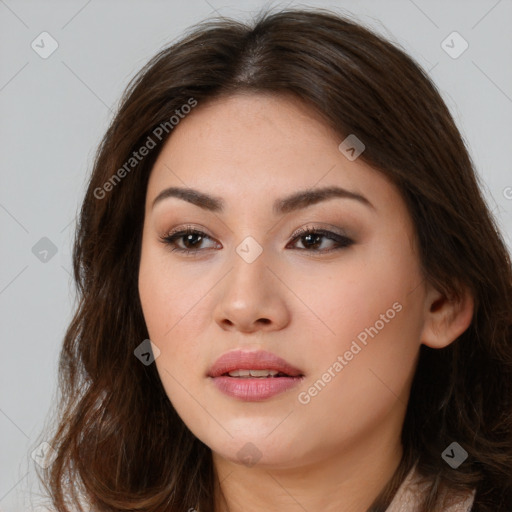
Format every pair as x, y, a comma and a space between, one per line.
260, 451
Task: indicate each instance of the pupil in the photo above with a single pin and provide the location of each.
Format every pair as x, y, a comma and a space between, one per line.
310, 237
189, 238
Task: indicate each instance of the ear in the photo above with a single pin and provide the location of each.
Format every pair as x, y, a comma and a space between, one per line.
445, 317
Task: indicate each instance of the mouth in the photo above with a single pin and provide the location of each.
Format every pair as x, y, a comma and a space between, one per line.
253, 376
253, 373
259, 364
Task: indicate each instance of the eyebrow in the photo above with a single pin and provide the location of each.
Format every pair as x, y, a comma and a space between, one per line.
296, 201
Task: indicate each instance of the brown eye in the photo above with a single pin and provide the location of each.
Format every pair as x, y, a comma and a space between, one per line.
191, 240
312, 240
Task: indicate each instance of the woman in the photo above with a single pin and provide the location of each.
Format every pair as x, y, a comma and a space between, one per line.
288, 212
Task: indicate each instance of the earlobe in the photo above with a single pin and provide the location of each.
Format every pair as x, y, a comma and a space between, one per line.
445, 317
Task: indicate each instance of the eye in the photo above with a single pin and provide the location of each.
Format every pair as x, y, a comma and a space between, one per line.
313, 239
188, 241
191, 238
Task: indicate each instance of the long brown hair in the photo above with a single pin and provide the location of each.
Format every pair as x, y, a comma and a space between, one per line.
120, 445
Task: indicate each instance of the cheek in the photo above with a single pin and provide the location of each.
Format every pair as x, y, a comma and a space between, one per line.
371, 317
378, 333
361, 376
166, 298
174, 306
345, 301
167, 293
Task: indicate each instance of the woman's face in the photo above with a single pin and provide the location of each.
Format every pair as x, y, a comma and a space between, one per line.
344, 306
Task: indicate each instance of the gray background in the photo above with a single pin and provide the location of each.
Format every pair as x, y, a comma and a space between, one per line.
55, 110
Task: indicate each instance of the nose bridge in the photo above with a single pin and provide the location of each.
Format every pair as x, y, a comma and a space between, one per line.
249, 263
250, 296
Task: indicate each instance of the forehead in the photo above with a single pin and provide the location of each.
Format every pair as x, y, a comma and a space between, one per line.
253, 145
247, 129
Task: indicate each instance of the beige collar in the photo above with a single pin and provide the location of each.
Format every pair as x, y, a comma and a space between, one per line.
411, 490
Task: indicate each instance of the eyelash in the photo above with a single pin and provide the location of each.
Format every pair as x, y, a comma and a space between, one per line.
342, 241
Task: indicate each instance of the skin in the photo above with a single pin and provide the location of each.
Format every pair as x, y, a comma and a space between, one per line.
337, 451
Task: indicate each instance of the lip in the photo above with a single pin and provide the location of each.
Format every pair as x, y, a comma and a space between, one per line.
253, 389
259, 360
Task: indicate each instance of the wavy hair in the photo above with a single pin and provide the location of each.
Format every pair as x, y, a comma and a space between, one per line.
119, 443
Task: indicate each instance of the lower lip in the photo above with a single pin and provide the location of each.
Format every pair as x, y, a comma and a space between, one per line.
254, 390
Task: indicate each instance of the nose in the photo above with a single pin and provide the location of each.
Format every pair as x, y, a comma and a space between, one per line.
252, 298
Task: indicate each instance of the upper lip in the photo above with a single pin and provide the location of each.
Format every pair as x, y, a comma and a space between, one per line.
243, 360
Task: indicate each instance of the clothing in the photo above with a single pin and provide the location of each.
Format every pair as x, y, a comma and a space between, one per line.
410, 492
